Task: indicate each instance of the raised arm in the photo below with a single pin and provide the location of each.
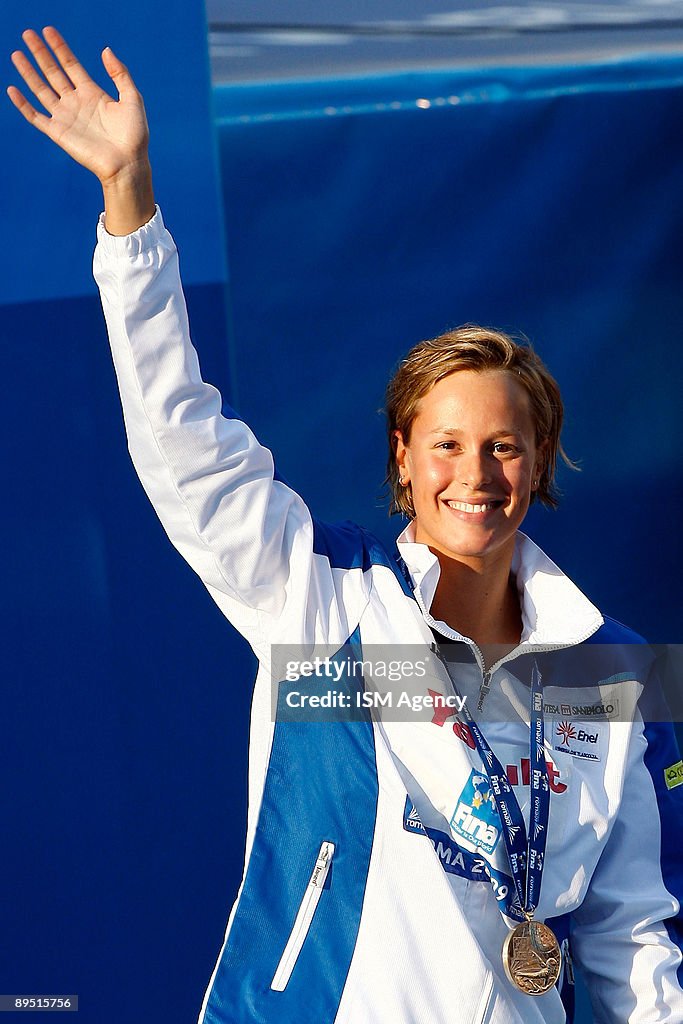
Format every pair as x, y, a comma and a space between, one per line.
274, 573
109, 137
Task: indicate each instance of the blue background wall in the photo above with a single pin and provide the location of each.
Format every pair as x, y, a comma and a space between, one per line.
357, 223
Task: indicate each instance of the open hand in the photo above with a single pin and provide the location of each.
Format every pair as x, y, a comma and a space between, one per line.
107, 136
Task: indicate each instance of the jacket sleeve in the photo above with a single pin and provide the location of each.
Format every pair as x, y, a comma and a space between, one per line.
627, 935
247, 534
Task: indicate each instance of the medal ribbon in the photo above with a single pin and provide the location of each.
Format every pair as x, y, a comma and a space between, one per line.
525, 854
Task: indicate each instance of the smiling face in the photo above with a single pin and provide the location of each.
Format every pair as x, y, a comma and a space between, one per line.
472, 462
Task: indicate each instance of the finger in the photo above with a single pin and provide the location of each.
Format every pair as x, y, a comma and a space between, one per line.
38, 86
40, 121
119, 74
72, 67
46, 62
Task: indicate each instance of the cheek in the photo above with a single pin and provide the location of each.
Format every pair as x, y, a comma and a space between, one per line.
430, 476
519, 481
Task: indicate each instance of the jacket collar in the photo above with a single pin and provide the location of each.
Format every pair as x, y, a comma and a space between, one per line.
554, 611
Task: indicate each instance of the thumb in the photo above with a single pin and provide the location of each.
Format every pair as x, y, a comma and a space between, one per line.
119, 74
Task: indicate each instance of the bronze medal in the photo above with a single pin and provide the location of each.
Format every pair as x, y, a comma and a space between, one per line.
532, 958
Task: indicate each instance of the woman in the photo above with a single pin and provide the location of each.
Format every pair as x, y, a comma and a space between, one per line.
447, 868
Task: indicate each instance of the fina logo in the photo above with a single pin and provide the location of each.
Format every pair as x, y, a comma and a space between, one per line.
476, 818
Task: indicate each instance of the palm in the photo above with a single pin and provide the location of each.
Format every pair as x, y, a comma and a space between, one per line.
99, 132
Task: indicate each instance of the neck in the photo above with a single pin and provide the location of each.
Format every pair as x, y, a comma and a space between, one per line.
480, 600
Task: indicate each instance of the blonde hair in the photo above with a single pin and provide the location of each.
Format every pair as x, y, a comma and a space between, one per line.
471, 347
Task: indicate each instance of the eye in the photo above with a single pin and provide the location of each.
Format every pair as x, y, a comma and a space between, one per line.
446, 446
504, 448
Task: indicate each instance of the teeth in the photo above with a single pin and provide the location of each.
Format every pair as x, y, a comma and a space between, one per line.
463, 506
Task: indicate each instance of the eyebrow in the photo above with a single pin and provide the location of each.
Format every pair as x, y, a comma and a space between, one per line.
501, 432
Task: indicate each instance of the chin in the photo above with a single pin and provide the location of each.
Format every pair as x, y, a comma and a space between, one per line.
471, 548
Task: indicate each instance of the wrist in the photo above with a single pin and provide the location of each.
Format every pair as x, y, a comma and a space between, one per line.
128, 198
136, 173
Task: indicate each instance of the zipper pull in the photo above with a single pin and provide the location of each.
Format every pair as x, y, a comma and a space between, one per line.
322, 865
484, 690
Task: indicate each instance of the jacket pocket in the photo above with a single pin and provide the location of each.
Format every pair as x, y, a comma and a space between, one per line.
304, 918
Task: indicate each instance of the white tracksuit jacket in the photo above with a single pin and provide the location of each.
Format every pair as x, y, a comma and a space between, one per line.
407, 927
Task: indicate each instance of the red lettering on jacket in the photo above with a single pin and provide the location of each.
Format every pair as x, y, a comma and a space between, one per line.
441, 711
464, 733
553, 775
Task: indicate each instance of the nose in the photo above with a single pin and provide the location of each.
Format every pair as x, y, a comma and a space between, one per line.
474, 471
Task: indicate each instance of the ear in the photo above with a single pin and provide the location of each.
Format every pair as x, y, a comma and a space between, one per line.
401, 453
539, 465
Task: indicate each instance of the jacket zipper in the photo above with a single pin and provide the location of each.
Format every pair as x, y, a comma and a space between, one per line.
485, 677
304, 918
533, 649
485, 685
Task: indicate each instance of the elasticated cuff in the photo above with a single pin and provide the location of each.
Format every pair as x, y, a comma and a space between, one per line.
146, 237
